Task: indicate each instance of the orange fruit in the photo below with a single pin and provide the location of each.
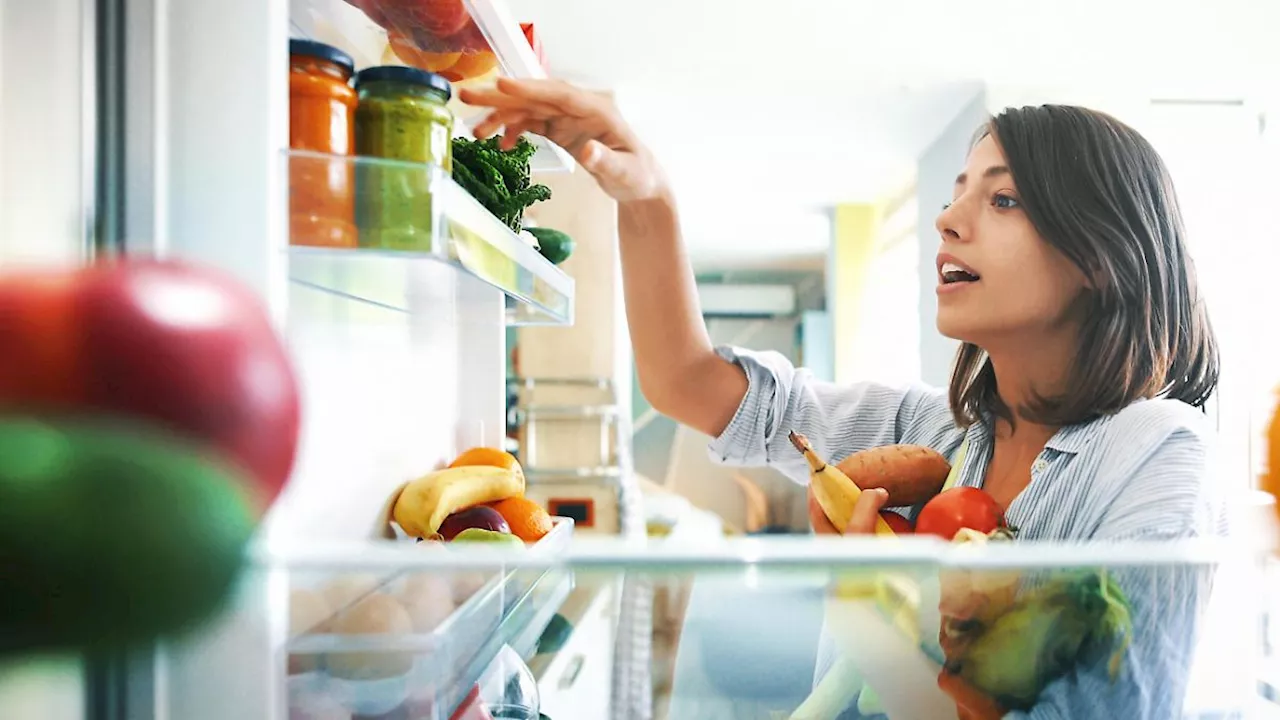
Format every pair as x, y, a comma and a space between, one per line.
486, 456
470, 66
1271, 476
527, 519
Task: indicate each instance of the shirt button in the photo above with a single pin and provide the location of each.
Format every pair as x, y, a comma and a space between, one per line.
1040, 466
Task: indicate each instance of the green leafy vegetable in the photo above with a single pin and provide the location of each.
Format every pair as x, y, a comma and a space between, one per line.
1073, 619
499, 179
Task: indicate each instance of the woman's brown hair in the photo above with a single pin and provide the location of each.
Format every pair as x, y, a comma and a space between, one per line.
1097, 191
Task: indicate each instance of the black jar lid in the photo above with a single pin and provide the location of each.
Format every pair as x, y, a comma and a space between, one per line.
311, 48
404, 74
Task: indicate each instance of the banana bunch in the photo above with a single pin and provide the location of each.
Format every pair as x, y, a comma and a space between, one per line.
424, 503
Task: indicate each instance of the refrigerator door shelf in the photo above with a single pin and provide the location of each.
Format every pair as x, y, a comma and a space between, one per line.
343, 654
467, 41
408, 214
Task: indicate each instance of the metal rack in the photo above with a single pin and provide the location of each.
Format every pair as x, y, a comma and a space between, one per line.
570, 441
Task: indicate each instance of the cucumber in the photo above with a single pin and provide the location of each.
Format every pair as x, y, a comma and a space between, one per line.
555, 635
554, 245
112, 536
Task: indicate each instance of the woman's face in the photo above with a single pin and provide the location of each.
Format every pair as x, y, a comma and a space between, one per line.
998, 280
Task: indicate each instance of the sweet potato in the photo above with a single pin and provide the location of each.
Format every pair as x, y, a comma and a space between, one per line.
910, 473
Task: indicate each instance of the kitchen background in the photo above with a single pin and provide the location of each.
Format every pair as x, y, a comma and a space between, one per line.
811, 145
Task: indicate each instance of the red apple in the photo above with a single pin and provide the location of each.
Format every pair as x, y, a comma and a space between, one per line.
480, 517
186, 348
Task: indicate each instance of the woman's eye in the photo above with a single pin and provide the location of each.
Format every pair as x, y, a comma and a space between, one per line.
946, 207
1004, 202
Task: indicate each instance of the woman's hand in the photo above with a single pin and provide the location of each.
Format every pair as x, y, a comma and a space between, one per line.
586, 124
863, 521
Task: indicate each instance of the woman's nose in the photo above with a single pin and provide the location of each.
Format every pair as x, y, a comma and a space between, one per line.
951, 224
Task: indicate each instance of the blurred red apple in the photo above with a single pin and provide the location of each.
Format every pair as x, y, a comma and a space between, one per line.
187, 348
480, 517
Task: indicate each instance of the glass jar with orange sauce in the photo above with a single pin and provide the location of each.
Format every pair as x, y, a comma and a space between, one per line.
322, 107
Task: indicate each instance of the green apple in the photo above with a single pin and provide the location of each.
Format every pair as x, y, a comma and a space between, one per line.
487, 536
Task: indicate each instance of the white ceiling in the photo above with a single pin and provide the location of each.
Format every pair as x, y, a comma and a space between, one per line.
764, 112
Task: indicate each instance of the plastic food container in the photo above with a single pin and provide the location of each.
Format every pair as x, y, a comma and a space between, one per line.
322, 108
402, 115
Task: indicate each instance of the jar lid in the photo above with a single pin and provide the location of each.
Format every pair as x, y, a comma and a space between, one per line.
404, 74
311, 48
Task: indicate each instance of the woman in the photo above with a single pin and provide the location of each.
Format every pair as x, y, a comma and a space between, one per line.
1086, 359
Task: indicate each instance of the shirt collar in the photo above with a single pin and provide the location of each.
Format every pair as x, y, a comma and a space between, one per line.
1074, 438
1070, 439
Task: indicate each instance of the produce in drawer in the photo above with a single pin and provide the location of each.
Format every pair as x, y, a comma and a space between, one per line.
480, 517
187, 348
478, 476
476, 535
437, 18
525, 518
456, 65
499, 179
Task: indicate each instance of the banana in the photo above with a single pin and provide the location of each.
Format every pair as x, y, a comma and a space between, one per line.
835, 492
425, 503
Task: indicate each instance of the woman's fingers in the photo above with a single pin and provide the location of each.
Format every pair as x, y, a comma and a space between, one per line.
498, 119
562, 96
866, 511
492, 97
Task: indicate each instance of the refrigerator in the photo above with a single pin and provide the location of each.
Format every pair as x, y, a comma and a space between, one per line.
161, 128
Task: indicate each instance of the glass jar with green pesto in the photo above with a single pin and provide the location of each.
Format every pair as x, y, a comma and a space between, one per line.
402, 114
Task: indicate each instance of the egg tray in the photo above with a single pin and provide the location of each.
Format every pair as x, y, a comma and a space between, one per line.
430, 671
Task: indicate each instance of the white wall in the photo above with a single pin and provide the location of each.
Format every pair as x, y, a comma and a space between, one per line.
935, 176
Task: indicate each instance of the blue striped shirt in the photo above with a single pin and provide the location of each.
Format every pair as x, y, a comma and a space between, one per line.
1141, 474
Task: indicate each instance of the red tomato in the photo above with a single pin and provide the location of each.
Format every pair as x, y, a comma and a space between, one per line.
186, 348
897, 523
960, 507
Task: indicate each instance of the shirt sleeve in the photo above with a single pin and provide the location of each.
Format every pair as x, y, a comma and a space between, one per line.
1165, 498
838, 419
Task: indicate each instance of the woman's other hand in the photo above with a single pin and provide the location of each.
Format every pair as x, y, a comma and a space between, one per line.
865, 512
586, 124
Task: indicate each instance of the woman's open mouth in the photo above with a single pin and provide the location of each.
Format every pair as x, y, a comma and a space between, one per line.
950, 274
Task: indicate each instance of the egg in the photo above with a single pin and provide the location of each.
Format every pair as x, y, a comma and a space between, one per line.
428, 598
308, 613
375, 614
344, 590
